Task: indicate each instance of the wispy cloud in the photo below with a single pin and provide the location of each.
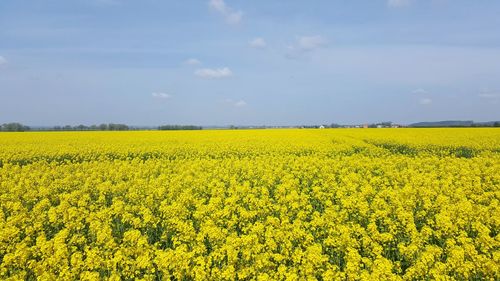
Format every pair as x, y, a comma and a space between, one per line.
258, 43
419, 91
423, 96
398, 3
425, 101
2, 60
489, 95
215, 73
240, 103
160, 95
305, 44
192, 61
231, 16
309, 43
235, 103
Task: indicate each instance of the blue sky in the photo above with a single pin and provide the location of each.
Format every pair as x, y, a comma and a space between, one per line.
222, 62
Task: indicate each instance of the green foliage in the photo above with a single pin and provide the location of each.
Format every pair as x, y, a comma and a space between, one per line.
179, 127
14, 127
102, 127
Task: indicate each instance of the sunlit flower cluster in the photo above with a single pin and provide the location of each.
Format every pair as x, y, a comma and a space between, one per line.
373, 204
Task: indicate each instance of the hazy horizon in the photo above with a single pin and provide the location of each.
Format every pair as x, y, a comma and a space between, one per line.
223, 62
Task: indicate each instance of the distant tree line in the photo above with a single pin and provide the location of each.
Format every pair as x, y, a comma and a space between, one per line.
333, 125
18, 127
495, 124
455, 123
102, 127
178, 127
381, 125
14, 127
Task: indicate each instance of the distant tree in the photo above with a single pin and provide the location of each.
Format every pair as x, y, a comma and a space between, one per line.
178, 127
81, 128
117, 127
14, 127
102, 127
496, 124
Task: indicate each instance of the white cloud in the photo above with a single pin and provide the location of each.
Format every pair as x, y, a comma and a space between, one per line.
425, 101
419, 91
218, 5
240, 103
309, 43
258, 43
192, 61
231, 16
305, 44
216, 73
160, 95
235, 103
2, 60
488, 95
398, 3
422, 93
234, 17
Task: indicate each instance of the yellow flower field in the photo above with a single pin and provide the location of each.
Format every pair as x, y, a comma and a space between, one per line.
333, 204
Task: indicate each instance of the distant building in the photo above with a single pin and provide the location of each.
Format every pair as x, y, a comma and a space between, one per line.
321, 127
